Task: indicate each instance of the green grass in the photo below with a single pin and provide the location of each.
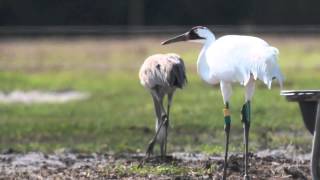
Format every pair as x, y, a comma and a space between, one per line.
119, 115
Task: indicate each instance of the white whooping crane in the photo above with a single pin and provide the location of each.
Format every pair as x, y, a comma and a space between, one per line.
162, 74
229, 59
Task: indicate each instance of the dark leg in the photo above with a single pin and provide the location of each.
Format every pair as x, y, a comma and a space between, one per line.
163, 137
170, 95
246, 126
153, 141
227, 124
151, 145
165, 121
157, 100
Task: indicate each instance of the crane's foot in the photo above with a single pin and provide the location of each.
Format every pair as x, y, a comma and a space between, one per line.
246, 177
141, 163
149, 151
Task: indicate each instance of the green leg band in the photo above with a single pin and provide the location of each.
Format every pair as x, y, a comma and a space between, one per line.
227, 120
226, 113
246, 112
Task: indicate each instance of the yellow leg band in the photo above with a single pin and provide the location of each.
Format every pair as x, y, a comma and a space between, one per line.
226, 112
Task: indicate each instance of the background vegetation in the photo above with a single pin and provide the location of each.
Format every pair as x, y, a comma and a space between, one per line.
165, 12
118, 117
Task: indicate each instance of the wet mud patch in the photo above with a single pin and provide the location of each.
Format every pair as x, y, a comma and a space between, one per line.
265, 165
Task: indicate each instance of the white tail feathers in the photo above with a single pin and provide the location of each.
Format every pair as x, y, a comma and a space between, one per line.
266, 67
272, 68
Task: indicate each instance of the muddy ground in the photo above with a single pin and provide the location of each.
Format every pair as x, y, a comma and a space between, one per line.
276, 164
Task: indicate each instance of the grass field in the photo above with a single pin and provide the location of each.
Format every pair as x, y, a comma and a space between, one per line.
118, 117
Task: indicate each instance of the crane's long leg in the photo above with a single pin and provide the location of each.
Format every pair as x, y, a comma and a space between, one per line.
246, 120
226, 91
157, 100
246, 126
170, 96
163, 129
227, 124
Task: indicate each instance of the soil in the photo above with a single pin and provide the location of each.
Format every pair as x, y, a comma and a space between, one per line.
266, 164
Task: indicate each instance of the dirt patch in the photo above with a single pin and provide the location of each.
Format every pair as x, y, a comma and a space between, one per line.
263, 165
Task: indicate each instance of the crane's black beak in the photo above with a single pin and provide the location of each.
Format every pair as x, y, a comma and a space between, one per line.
188, 36
182, 37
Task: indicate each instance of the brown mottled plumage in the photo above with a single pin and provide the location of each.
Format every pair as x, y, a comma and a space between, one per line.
165, 70
161, 74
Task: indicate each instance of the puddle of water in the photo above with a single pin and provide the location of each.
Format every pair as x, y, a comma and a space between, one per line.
34, 96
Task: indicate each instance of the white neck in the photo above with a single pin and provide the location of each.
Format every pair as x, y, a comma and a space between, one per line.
202, 65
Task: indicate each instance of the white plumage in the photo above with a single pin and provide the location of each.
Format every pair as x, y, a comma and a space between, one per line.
229, 59
235, 58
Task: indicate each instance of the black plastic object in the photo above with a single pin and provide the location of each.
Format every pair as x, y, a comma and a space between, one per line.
309, 111
308, 101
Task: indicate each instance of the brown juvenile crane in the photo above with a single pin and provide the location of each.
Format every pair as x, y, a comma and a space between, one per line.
162, 74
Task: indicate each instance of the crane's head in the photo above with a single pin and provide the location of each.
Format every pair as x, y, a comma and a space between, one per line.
196, 34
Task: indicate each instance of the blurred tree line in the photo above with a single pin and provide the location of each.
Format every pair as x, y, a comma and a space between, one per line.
162, 12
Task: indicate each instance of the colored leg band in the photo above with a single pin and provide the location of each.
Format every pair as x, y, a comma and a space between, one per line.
227, 118
246, 112
226, 112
